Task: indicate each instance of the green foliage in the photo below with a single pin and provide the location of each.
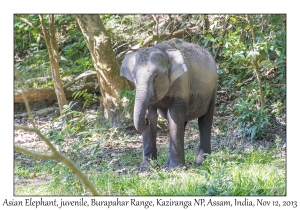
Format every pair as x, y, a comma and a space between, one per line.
278, 108
31, 54
110, 156
235, 172
120, 29
88, 98
64, 181
30, 49
21, 171
251, 121
130, 96
24, 35
235, 59
79, 119
237, 77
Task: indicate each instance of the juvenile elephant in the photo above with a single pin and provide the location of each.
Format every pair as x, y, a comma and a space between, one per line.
180, 80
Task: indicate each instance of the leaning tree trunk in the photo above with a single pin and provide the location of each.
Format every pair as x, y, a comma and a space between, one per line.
52, 47
106, 66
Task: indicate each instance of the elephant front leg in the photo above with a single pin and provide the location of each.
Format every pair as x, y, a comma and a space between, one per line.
176, 119
149, 139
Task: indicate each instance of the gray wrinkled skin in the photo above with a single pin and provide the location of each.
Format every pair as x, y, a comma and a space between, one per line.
178, 79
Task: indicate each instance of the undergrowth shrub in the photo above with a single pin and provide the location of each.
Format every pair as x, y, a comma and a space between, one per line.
251, 121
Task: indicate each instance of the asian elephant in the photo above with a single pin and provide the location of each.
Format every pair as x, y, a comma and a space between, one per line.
178, 79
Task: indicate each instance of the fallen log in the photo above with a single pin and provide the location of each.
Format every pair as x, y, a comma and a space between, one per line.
39, 94
49, 93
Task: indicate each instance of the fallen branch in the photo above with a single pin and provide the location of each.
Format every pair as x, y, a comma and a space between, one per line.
37, 113
81, 76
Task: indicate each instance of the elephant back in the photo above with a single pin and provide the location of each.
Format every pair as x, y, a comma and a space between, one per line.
191, 51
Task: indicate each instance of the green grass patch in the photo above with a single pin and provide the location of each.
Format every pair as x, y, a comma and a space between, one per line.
110, 157
224, 172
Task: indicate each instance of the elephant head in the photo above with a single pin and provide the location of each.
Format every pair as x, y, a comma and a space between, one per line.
153, 71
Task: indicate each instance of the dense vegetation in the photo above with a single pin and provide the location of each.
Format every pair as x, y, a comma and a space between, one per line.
248, 139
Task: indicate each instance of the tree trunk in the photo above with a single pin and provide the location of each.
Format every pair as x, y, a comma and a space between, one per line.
53, 52
106, 66
54, 60
206, 24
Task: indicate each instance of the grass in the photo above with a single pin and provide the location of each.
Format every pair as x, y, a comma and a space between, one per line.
227, 171
110, 157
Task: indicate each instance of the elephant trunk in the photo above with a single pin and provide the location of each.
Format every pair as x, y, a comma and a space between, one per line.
141, 122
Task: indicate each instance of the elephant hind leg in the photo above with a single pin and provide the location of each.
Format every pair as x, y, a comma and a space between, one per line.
205, 126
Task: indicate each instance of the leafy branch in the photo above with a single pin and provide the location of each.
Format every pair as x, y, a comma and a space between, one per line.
31, 24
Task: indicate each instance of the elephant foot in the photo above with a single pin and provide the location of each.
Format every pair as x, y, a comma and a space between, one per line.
145, 166
200, 157
173, 164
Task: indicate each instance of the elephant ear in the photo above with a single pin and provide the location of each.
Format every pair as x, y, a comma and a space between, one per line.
127, 66
177, 65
